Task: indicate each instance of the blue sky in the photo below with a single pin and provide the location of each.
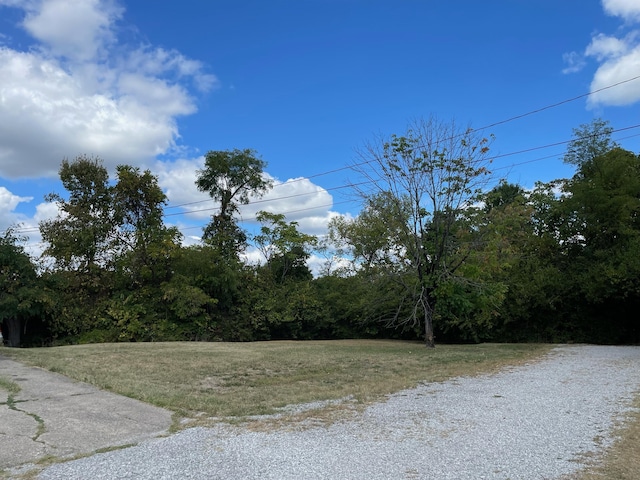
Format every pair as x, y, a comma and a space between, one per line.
303, 82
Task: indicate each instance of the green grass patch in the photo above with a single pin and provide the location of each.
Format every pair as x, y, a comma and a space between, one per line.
240, 379
9, 386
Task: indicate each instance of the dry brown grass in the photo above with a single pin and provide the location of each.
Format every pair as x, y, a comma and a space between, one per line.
241, 379
622, 460
203, 380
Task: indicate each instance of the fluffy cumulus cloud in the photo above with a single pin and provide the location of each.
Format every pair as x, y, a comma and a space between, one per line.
628, 10
86, 93
8, 204
50, 22
299, 199
25, 225
617, 56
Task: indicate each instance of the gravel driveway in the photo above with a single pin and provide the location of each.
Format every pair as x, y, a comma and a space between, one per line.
531, 422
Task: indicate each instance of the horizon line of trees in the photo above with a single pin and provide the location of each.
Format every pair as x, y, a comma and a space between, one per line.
439, 250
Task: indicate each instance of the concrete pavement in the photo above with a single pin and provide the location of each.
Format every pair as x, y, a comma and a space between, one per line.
53, 415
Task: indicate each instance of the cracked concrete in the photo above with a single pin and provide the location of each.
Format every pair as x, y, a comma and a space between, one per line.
53, 415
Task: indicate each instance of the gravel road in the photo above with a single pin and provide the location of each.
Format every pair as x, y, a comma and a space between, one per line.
535, 421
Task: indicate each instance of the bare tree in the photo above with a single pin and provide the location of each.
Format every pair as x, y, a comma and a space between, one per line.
423, 186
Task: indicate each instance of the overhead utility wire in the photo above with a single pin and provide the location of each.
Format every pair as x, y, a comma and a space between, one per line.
35, 229
366, 182
510, 119
500, 122
266, 200
557, 143
527, 150
253, 217
569, 100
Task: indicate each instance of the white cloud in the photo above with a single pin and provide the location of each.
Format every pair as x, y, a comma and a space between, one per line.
604, 47
629, 10
177, 180
8, 204
90, 21
298, 199
158, 61
253, 256
71, 95
617, 56
574, 62
46, 211
614, 71
25, 225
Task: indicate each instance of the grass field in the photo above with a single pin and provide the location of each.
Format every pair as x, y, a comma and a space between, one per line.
240, 379
203, 380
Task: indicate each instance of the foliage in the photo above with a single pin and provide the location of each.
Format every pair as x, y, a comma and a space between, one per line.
22, 296
423, 183
82, 235
285, 249
590, 141
230, 177
433, 252
145, 244
602, 239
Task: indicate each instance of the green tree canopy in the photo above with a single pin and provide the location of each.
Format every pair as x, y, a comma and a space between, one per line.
22, 296
82, 236
431, 176
284, 247
590, 140
230, 177
145, 244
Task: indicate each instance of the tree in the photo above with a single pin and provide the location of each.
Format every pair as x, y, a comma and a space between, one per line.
520, 252
425, 182
284, 247
145, 244
375, 237
81, 237
230, 177
590, 140
601, 236
281, 299
502, 196
82, 241
111, 249
22, 297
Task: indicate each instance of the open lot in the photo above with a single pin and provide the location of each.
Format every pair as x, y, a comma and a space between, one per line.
239, 379
203, 380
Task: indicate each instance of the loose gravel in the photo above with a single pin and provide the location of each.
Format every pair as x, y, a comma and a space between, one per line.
537, 421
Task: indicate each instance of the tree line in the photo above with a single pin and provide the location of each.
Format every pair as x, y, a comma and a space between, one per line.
438, 251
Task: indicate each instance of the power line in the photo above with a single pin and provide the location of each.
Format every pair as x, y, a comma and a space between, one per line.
368, 182
553, 105
35, 229
266, 200
253, 217
527, 150
348, 167
500, 122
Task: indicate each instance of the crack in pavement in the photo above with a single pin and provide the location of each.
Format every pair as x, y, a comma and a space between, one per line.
11, 403
68, 417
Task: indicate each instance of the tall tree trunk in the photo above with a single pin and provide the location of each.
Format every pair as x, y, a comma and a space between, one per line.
429, 339
14, 333
427, 303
